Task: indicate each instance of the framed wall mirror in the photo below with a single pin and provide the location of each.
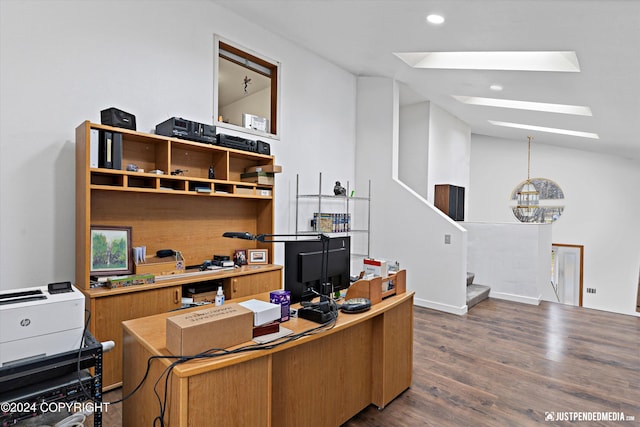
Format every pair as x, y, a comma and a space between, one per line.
245, 90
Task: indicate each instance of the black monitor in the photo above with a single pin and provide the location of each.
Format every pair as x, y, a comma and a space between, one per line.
303, 267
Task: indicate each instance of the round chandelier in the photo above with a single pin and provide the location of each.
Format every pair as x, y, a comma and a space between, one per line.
537, 200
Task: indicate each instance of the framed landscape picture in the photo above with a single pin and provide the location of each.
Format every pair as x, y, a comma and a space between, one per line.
110, 251
258, 256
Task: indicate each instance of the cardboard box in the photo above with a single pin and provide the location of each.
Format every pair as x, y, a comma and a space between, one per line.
245, 190
220, 326
205, 296
263, 192
161, 266
263, 312
262, 178
264, 168
283, 299
375, 267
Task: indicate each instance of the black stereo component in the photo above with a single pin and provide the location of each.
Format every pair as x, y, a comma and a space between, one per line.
38, 399
264, 148
118, 118
187, 129
239, 143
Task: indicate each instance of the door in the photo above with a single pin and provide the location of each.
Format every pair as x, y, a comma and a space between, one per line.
566, 273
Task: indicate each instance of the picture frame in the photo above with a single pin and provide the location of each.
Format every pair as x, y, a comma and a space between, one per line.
110, 250
240, 257
258, 256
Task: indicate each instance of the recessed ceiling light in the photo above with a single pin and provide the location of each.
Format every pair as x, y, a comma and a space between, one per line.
545, 129
495, 87
510, 61
525, 105
435, 19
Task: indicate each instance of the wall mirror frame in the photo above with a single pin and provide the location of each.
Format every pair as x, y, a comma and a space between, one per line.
246, 90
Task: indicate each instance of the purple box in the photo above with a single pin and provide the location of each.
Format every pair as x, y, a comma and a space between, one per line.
283, 298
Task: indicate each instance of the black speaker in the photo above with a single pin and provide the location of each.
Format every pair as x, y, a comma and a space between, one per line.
458, 204
118, 118
450, 200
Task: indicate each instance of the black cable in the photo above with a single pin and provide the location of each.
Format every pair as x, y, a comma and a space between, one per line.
218, 352
163, 403
209, 353
82, 343
78, 370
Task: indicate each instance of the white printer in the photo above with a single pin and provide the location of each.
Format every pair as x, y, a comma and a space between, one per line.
37, 322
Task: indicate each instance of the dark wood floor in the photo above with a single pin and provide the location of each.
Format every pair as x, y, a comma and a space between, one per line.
511, 364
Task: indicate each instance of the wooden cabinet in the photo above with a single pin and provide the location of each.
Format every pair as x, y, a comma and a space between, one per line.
108, 312
450, 200
366, 358
241, 286
182, 209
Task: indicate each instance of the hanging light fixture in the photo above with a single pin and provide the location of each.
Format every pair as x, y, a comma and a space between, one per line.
528, 197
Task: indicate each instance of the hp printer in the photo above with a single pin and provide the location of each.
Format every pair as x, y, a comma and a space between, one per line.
39, 321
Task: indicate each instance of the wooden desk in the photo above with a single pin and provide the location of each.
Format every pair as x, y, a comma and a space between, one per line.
319, 380
110, 307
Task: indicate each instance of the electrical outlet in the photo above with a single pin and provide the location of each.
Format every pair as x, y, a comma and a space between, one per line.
447, 239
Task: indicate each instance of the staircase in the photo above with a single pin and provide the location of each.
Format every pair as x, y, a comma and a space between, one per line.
475, 293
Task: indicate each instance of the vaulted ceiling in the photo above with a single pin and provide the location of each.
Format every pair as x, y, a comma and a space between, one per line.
362, 37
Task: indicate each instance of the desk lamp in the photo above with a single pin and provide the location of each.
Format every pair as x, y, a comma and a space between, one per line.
319, 312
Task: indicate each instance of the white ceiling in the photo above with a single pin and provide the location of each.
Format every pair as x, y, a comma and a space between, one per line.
361, 37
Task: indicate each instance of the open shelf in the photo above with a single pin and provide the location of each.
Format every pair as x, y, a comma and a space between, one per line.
185, 208
335, 215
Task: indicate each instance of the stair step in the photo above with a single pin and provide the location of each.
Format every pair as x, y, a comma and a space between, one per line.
476, 293
470, 277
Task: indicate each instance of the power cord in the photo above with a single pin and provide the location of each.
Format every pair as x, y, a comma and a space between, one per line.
328, 306
219, 352
73, 420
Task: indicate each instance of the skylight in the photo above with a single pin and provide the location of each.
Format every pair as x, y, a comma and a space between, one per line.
512, 61
525, 105
435, 19
546, 129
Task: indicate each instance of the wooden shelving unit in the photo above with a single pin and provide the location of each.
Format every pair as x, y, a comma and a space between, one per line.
372, 289
168, 211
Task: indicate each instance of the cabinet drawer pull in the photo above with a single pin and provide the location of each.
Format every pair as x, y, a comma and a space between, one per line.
176, 297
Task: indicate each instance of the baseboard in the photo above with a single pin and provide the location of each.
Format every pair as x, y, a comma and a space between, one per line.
440, 307
515, 298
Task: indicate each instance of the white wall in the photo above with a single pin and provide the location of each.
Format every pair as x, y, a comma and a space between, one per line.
257, 103
433, 148
413, 147
513, 259
64, 61
601, 208
449, 152
404, 226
